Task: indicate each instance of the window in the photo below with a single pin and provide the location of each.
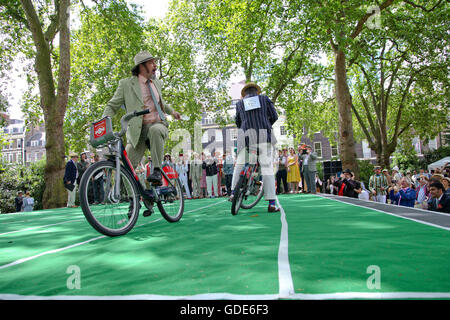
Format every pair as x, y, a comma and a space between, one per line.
318, 149
34, 143
205, 137
29, 157
219, 137
208, 120
416, 143
367, 152
334, 151
36, 156
11, 157
233, 133
432, 144
282, 130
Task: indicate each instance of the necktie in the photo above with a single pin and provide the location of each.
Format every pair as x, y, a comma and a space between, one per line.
158, 108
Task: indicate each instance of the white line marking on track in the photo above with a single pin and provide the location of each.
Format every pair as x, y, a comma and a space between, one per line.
20, 261
286, 285
391, 214
231, 296
33, 228
14, 263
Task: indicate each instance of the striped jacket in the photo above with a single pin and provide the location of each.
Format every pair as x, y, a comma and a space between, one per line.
376, 182
257, 121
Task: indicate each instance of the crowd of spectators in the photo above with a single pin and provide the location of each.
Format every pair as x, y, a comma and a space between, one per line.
210, 175
418, 189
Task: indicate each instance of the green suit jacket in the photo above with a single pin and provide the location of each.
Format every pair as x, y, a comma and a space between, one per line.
312, 161
129, 93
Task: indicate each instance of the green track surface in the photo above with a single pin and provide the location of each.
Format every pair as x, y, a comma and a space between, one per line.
331, 245
209, 251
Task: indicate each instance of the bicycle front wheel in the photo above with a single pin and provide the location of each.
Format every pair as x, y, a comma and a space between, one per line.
109, 211
239, 192
171, 204
253, 193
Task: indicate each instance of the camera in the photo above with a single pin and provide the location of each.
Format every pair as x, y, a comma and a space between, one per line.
304, 151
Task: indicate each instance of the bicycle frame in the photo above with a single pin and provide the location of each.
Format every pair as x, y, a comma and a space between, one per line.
248, 171
120, 157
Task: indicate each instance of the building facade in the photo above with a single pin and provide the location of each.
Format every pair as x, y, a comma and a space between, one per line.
23, 145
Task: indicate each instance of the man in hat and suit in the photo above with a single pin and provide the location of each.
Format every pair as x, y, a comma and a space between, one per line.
309, 168
440, 199
255, 115
139, 92
70, 179
346, 186
378, 185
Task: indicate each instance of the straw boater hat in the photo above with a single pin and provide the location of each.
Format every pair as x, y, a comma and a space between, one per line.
73, 154
142, 57
250, 85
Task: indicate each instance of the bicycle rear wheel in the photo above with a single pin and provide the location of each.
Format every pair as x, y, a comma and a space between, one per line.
109, 213
239, 191
254, 192
171, 205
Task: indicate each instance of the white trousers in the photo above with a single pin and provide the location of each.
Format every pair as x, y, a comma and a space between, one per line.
72, 195
381, 199
266, 162
211, 181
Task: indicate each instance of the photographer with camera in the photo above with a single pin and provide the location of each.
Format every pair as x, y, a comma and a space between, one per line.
405, 195
309, 168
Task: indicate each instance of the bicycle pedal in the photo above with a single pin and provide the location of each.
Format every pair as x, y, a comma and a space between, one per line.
156, 183
148, 213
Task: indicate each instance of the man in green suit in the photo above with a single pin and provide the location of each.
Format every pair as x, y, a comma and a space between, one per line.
139, 92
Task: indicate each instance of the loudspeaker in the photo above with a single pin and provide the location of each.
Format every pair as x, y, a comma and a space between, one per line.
330, 168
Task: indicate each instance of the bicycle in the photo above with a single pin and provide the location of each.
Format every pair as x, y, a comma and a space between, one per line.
119, 212
249, 188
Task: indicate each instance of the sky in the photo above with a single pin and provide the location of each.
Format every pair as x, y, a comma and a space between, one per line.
151, 8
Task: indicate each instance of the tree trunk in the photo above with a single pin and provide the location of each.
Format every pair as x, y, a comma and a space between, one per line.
55, 195
344, 101
52, 103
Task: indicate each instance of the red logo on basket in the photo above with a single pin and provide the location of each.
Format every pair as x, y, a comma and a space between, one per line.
99, 129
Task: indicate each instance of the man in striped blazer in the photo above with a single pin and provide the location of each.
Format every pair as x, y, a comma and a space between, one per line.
255, 115
378, 185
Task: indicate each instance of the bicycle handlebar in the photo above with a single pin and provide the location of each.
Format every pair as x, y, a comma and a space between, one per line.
127, 117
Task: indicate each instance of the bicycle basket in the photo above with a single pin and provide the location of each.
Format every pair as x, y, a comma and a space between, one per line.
101, 132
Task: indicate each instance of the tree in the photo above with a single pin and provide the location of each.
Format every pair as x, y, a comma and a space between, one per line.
99, 62
43, 22
400, 82
387, 72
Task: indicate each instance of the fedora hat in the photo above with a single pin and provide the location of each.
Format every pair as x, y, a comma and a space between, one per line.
142, 57
250, 85
395, 168
348, 171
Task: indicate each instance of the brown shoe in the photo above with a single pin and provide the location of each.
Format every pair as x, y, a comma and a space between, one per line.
273, 209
